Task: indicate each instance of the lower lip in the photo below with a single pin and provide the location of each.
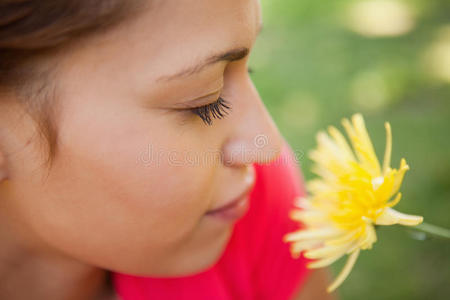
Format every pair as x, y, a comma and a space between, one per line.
234, 212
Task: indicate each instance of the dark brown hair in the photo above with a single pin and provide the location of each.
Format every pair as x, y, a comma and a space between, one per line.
30, 31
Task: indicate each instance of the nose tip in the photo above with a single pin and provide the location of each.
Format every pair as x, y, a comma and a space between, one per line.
261, 148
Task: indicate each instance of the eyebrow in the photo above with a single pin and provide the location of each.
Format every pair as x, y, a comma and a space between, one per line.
228, 56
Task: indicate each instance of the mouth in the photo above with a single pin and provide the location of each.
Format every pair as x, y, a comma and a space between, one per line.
233, 210
237, 207
232, 204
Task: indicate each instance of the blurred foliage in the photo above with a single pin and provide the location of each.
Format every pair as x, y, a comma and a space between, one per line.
312, 69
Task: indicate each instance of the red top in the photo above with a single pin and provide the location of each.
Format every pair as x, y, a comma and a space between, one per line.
256, 263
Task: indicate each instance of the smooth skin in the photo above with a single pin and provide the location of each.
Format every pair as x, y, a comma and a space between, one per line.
123, 193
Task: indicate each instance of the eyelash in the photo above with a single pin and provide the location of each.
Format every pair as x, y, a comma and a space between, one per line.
216, 110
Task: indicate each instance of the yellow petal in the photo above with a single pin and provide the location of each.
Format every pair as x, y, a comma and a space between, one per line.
362, 145
310, 234
344, 239
391, 216
342, 143
307, 216
399, 176
302, 203
298, 247
345, 271
327, 251
388, 150
369, 237
323, 262
395, 201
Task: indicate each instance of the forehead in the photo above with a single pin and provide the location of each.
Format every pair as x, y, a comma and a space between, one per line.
184, 20
176, 32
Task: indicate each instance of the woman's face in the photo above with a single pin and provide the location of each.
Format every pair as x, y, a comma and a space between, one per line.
136, 170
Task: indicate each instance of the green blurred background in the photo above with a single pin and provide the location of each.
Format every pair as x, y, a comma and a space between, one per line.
316, 62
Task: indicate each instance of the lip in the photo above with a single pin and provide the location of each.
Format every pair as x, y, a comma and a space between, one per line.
233, 203
233, 210
236, 208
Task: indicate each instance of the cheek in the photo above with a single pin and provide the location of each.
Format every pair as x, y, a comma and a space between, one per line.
126, 160
100, 201
106, 195
141, 182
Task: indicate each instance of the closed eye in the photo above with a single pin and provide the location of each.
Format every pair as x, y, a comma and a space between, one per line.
216, 110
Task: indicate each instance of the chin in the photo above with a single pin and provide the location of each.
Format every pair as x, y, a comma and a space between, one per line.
198, 261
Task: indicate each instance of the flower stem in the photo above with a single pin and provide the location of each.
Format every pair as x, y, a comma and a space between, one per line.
433, 230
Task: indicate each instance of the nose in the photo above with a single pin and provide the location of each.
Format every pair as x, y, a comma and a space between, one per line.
253, 136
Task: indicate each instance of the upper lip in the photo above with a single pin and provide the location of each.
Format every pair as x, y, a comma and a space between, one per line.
233, 202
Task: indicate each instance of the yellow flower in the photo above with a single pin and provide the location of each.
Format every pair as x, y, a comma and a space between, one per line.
352, 194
